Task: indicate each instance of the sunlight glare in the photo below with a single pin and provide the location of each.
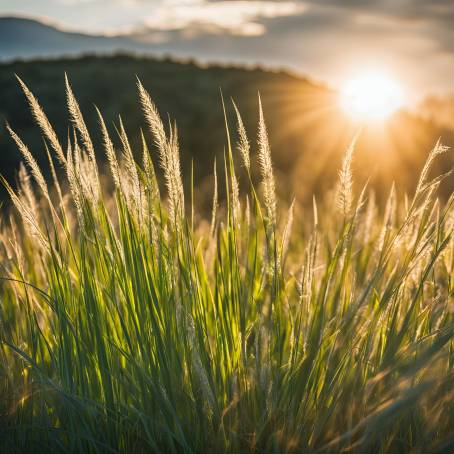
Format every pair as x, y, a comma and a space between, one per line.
370, 96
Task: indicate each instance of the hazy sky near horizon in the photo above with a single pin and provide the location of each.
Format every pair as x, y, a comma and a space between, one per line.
325, 39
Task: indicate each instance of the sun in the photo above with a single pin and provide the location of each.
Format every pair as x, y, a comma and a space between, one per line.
370, 96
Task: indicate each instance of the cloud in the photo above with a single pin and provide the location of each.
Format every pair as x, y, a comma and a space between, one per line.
235, 17
328, 42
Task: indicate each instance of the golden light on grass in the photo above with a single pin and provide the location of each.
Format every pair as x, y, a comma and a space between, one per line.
370, 96
196, 316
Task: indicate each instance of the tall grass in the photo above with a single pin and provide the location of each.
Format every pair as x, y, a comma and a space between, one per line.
126, 325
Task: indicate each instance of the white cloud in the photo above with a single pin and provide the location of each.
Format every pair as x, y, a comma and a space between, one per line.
236, 17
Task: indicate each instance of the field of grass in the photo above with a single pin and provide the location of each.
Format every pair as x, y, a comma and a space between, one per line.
130, 323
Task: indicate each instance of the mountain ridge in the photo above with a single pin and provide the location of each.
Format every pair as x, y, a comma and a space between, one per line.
29, 38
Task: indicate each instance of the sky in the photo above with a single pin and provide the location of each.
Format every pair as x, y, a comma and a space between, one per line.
328, 40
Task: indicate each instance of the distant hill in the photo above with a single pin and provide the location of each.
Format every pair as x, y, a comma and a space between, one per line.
28, 38
308, 134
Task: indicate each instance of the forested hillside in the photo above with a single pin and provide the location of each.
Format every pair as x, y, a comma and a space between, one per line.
307, 131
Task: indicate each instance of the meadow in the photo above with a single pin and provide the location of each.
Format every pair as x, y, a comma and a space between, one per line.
133, 322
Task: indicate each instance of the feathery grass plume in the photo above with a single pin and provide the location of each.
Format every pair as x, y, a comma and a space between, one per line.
174, 174
28, 218
84, 174
42, 121
151, 191
236, 206
344, 193
154, 122
77, 119
26, 191
436, 151
110, 152
74, 185
229, 165
243, 143
137, 196
287, 231
359, 208
215, 200
266, 167
152, 182
169, 155
26, 195
175, 148
79, 123
55, 178
128, 156
31, 161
